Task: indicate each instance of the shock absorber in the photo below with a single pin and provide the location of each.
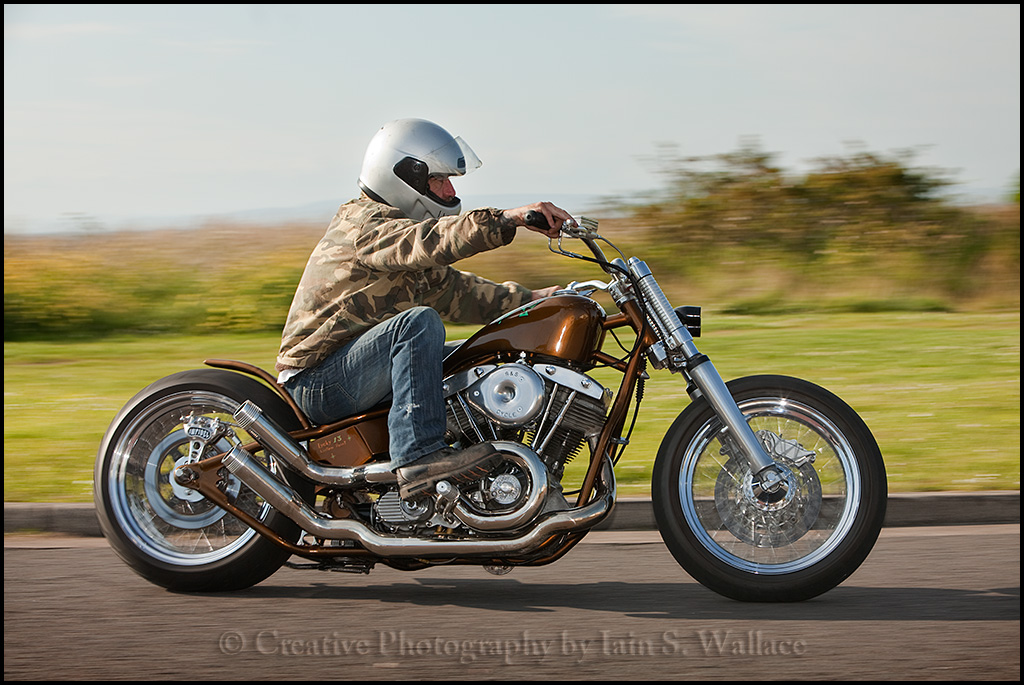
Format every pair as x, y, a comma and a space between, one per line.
675, 334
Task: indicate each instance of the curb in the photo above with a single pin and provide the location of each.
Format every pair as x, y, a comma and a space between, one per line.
902, 510
629, 513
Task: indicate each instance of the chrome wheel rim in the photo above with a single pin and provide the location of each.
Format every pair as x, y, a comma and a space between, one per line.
771, 533
160, 517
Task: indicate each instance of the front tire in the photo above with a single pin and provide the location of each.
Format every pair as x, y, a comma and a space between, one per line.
168, 534
786, 546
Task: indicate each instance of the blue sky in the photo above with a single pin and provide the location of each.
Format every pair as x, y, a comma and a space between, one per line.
114, 111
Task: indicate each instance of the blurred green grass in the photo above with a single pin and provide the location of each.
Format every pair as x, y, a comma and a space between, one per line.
940, 391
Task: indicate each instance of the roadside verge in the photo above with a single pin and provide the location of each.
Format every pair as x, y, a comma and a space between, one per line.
630, 513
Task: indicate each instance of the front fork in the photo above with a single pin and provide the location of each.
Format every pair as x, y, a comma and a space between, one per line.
683, 356
677, 351
710, 384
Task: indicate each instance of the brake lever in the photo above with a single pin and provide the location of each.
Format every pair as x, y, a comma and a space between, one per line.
585, 228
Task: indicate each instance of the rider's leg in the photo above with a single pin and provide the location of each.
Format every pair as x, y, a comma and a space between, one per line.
399, 359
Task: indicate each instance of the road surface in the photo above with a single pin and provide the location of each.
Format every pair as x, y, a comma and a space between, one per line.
938, 603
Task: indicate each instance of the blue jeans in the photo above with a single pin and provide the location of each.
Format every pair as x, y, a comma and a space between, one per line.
399, 360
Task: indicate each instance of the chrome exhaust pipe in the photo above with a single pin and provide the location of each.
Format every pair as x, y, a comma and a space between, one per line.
283, 498
537, 473
273, 437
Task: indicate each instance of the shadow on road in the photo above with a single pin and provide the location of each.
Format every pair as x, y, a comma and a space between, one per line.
665, 600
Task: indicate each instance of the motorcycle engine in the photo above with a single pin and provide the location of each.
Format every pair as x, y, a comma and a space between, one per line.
549, 408
543, 414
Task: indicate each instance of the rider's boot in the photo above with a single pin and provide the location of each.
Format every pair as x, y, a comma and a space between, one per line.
455, 466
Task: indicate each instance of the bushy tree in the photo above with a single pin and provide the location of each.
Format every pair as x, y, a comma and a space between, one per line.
859, 204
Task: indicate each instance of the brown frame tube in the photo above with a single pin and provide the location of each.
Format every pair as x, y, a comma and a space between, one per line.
632, 317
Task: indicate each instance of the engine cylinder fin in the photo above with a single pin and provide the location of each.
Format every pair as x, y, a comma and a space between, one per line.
572, 412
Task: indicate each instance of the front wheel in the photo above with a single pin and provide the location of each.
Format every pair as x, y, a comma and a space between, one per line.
789, 545
171, 535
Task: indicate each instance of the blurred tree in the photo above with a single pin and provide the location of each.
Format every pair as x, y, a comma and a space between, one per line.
745, 198
858, 204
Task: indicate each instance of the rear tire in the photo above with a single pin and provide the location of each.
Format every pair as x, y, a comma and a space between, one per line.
170, 535
786, 546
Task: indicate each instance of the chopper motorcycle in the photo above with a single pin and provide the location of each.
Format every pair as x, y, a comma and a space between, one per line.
767, 488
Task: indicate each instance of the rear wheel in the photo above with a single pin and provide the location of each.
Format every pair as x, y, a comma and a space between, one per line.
169, 534
792, 544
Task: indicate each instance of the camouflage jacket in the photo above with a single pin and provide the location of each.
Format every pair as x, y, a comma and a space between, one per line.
374, 263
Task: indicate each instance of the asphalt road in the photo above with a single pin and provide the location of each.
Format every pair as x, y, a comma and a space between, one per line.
930, 603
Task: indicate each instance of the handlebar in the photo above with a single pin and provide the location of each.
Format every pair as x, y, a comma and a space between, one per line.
584, 229
632, 280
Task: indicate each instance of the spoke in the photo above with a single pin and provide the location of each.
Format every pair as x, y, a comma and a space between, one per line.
771, 530
184, 530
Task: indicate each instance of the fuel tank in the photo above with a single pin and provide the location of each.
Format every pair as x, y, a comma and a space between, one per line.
564, 326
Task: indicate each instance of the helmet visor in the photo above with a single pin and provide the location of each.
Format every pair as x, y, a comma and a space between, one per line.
456, 158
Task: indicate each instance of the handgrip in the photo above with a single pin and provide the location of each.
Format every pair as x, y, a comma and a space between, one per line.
537, 220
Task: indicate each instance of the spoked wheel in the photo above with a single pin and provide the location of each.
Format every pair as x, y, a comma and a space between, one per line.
788, 544
169, 534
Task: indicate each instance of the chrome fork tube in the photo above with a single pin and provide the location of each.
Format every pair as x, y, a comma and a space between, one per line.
706, 377
703, 373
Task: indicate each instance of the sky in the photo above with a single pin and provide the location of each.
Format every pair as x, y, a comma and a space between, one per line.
118, 113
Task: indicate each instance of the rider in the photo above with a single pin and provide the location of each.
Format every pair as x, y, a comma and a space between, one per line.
365, 324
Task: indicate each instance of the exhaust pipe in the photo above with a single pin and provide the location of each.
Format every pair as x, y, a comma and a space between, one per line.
273, 437
283, 498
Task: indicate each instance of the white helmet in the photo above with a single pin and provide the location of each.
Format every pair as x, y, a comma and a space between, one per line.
400, 158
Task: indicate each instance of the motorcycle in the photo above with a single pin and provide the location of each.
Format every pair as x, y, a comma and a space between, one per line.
767, 488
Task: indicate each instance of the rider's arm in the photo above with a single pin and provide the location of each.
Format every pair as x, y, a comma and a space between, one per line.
387, 242
462, 297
